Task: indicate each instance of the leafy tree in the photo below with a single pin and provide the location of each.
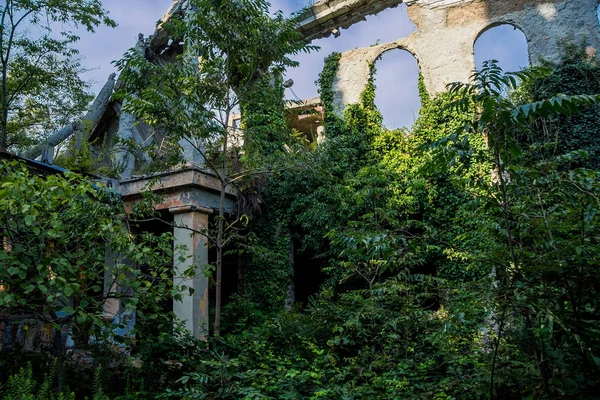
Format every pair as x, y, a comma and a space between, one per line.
498, 320
363, 185
575, 74
41, 88
534, 225
235, 53
57, 233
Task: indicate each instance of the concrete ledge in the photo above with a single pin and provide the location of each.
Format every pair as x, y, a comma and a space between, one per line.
188, 208
326, 15
180, 191
172, 180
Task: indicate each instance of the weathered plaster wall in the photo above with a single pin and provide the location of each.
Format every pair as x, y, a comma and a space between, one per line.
447, 30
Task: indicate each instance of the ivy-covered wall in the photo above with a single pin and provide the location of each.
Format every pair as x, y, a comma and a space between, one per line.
362, 180
576, 74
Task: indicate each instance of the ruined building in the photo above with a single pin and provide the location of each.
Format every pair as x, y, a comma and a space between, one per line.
442, 44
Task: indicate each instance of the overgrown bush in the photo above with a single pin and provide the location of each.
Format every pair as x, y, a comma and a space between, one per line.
461, 258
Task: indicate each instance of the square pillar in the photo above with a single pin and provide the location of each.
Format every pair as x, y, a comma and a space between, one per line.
114, 311
193, 309
112, 305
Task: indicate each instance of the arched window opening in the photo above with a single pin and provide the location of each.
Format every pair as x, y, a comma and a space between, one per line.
388, 25
504, 43
397, 88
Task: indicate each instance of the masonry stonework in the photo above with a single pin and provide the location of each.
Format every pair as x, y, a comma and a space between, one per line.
446, 31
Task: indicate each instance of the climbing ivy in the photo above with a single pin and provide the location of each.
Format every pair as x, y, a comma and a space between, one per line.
362, 181
325, 85
303, 200
423, 300
575, 74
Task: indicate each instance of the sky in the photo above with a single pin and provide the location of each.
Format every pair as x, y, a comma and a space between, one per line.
397, 71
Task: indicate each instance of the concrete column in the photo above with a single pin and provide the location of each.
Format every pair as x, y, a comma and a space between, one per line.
124, 160
320, 134
47, 153
112, 305
193, 310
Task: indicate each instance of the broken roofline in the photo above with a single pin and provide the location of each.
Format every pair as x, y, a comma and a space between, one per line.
317, 21
320, 20
324, 17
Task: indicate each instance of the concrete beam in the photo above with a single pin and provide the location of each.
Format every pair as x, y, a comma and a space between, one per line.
326, 15
87, 124
170, 180
436, 3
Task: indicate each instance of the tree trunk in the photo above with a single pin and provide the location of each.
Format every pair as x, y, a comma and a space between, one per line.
221, 224
4, 116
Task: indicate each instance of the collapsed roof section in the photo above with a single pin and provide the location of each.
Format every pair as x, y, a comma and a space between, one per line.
324, 17
161, 40
317, 21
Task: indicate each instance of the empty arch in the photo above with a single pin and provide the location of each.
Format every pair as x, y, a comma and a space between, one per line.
389, 25
397, 88
505, 43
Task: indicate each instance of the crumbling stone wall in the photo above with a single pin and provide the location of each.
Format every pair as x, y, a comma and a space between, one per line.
447, 30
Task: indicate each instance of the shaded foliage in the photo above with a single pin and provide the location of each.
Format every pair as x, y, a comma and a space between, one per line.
60, 234
461, 259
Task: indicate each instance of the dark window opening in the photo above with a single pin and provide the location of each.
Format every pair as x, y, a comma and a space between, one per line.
308, 275
156, 227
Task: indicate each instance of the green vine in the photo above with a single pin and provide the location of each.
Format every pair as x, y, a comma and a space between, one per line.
332, 122
424, 95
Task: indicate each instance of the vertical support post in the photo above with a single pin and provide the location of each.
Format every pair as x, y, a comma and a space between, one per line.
124, 160
193, 309
320, 134
47, 153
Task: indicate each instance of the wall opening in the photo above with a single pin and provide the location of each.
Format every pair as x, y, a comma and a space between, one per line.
397, 88
157, 227
388, 25
505, 43
308, 275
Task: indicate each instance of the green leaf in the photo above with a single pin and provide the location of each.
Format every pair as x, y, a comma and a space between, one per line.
68, 310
